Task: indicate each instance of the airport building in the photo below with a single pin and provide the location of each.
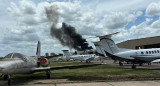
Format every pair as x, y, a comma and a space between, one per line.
143, 43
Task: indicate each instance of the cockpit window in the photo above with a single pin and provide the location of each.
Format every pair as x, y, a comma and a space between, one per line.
15, 55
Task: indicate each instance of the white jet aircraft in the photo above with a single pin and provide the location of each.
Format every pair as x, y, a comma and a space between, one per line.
87, 57
62, 58
16, 63
134, 56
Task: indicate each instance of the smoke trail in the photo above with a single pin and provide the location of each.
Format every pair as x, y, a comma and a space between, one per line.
67, 35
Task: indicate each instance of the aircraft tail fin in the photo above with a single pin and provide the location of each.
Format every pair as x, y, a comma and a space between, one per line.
99, 48
66, 53
38, 53
108, 44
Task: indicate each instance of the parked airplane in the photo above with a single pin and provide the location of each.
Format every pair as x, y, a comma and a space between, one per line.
99, 49
87, 57
16, 63
134, 56
63, 58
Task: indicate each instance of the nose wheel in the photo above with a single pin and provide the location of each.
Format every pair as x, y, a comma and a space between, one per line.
48, 74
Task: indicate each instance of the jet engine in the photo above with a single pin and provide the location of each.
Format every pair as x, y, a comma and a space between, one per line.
44, 62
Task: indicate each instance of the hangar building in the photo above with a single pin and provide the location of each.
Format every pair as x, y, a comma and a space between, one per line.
143, 43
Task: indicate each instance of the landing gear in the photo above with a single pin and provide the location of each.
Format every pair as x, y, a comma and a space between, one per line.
48, 74
140, 64
120, 64
102, 61
5, 77
87, 61
9, 80
133, 66
115, 61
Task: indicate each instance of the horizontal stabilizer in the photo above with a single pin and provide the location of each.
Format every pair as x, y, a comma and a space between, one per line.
107, 36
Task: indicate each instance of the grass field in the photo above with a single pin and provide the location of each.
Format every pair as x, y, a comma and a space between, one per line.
100, 72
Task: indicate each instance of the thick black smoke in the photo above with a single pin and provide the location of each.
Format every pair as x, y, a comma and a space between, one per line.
67, 35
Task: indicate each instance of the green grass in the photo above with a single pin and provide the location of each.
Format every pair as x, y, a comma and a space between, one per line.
100, 72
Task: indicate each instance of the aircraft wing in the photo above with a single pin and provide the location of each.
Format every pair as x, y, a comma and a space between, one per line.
156, 61
62, 67
147, 56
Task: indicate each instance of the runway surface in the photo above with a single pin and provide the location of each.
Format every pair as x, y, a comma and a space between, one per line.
153, 66
61, 82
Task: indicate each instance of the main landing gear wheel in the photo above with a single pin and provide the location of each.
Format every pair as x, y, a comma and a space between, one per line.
133, 66
140, 64
48, 74
9, 80
5, 77
120, 64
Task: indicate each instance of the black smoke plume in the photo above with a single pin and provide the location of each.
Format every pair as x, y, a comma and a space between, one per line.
67, 35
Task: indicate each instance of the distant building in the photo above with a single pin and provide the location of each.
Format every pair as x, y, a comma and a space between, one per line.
143, 43
52, 54
47, 54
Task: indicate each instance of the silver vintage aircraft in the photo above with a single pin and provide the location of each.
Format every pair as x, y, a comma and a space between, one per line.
16, 63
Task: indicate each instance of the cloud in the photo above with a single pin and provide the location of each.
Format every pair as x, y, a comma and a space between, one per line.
156, 24
153, 9
118, 19
89, 19
26, 12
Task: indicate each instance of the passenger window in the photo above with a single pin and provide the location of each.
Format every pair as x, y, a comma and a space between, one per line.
157, 51
142, 53
146, 52
149, 52
152, 51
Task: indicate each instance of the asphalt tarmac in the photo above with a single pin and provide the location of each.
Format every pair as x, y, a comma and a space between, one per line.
153, 66
63, 82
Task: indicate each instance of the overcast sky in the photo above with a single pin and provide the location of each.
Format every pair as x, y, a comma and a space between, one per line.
24, 22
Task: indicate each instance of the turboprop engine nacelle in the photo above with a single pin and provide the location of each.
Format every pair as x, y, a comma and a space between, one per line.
44, 62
